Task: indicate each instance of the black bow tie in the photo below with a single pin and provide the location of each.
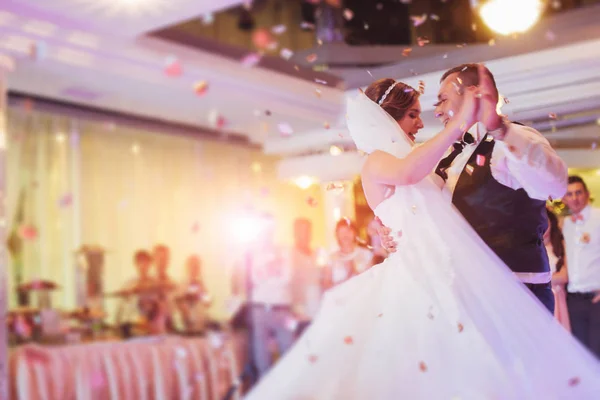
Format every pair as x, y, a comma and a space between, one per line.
458, 148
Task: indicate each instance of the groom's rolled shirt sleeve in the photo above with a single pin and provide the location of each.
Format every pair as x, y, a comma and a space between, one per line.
533, 163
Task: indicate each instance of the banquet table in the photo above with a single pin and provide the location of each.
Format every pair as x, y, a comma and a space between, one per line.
150, 368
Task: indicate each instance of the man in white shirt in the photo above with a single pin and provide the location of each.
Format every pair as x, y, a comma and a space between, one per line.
270, 297
499, 178
306, 281
582, 244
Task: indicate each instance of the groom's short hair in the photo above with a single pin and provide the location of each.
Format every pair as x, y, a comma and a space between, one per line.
468, 74
578, 179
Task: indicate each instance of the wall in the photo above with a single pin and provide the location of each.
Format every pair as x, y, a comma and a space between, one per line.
124, 189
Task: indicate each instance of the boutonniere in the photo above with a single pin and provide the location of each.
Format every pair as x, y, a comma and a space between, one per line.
585, 238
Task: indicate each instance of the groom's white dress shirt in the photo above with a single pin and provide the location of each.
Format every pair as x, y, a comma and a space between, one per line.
525, 160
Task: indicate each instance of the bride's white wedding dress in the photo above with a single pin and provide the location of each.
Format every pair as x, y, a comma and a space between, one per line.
441, 318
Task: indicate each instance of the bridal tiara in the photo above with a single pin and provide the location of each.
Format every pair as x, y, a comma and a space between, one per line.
387, 92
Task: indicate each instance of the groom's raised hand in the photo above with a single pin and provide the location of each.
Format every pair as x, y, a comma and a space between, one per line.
488, 100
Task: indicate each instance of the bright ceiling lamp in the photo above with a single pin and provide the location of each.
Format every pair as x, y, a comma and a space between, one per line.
131, 7
508, 17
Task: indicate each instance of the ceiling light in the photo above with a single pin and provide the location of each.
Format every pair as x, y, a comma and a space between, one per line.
508, 17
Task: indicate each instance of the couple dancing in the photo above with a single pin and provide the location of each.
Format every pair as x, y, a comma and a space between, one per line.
443, 317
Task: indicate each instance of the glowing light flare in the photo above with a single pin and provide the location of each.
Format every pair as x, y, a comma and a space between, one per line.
508, 17
304, 182
246, 228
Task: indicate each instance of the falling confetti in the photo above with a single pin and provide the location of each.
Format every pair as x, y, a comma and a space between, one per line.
173, 67
216, 120
379, 6
326, 125
66, 200
322, 82
200, 87
262, 39
469, 169
28, 232
286, 54
421, 87
379, 315
366, 26
195, 227
460, 327
264, 191
251, 60
550, 36
422, 41
423, 366
208, 19
480, 160
291, 324
552, 115
348, 340
406, 52
434, 17
418, 20
414, 209
574, 381
279, 29
370, 74
348, 14
311, 58
38, 50
285, 129
311, 201
318, 92
492, 42
313, 358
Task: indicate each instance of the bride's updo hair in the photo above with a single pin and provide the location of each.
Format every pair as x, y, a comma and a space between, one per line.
399, 99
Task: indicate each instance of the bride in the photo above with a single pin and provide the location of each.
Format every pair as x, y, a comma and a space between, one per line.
442, 317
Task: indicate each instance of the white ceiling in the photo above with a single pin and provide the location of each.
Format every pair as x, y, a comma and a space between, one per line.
127, 75
122, 17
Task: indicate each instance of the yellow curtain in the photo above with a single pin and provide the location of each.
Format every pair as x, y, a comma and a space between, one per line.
125, 188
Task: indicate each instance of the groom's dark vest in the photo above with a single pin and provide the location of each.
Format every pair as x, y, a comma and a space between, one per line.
510, 222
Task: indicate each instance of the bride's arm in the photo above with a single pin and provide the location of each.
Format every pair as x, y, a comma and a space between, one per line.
384, 168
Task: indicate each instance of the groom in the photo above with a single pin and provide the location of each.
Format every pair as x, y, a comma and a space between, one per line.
500, 176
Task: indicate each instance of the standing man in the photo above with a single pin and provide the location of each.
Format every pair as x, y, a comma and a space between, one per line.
582, 244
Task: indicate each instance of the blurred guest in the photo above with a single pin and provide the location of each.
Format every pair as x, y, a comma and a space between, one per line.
582, 243
166, 290
270, 297
193, 299
306, 285
555, 246
350, 259
135, 303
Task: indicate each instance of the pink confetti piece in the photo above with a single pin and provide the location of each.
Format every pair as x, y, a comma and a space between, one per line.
278, 29
348, 340
66, 200
200, 87
552, 115
311, 58
313, 358
173, 67
28, 232
311, 201
480, 160
418, 20
422, 41
406, 52
285, 129
196, 227
286, 54
335, 186
348, 14
251, 60
574, 381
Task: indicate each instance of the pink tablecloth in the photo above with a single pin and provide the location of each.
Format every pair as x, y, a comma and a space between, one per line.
158, 368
